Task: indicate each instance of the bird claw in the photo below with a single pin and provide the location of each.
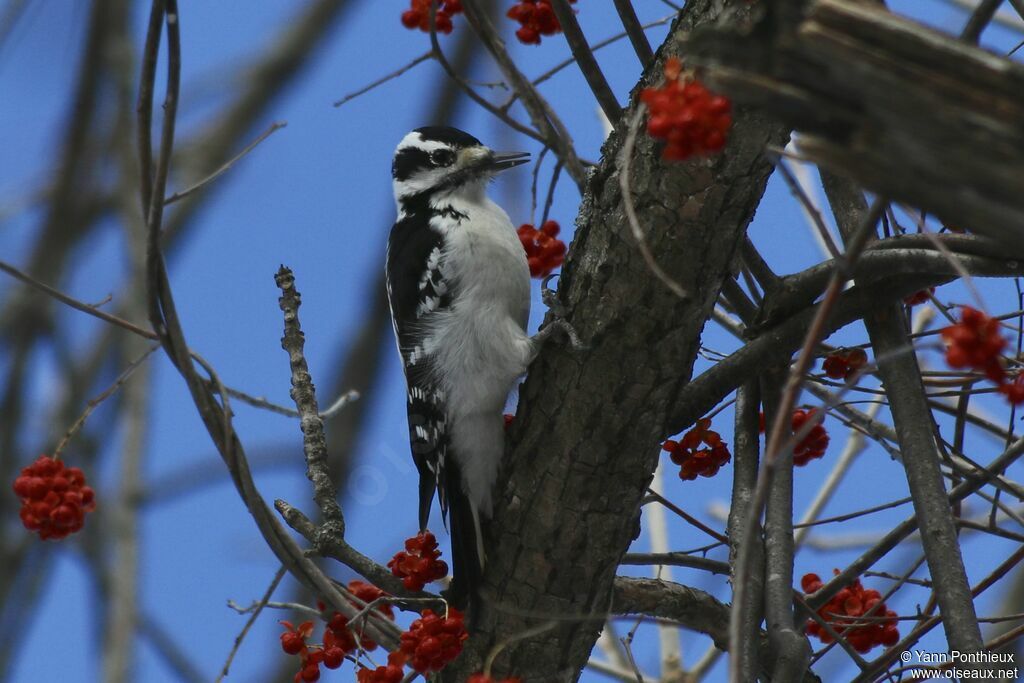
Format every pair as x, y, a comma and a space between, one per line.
563, 326
550, 297
558, 323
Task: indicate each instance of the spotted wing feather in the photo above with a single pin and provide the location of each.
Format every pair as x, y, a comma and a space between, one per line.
414, 295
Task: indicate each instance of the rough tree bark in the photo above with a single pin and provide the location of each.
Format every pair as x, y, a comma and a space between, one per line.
589, 424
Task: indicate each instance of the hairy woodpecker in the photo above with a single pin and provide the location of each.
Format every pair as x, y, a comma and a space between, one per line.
459, 288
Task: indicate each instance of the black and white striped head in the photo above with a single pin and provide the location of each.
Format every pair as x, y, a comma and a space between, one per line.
438, 160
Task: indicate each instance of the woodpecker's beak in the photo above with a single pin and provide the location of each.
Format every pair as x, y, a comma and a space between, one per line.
502, 161
476, 163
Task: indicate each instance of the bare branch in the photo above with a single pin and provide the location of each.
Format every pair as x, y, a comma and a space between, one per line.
429, 54
314, 444
95, 402
744, 628
585, 60
545, 120
253, 616
76, 304
177, 196
915, 428
627, 15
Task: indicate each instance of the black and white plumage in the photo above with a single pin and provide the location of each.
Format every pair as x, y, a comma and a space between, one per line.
459, 288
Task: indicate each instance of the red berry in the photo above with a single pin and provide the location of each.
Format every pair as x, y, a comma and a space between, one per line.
810, 583
544, 251
844, 364
54, 499
536, 18
292, 643
693, 460
1014, 391
418, 565
418, 15
528, 35
714, 141
686, 115
432, 642
847, 608
919, 297
976, 342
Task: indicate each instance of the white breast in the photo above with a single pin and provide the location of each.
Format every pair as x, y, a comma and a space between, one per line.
479, 345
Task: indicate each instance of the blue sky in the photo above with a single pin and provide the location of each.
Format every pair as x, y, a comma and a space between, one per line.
316, 196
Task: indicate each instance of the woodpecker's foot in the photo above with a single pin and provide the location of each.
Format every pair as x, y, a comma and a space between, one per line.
559, 323
550, 298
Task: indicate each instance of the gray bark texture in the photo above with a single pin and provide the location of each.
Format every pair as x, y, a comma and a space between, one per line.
585, 442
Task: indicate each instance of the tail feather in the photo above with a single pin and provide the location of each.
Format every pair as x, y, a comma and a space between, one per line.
428, 483
467, 542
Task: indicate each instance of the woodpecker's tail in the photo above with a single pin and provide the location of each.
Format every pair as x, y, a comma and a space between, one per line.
464, 524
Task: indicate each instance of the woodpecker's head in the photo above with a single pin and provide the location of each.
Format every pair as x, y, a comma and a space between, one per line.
438, 160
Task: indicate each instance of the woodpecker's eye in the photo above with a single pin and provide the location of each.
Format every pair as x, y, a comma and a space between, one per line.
442, 157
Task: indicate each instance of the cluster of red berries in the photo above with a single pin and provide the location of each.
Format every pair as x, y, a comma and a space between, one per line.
338, 624
54, 498
976, 343
686, 115
694, 460
814, 444
811, 446
919, 297
338, 638
293, 642
537, 18
844, 613
418, 564
544, 251
428, 646
418, 15
392, 672
845, 363
1013, 390
432, 641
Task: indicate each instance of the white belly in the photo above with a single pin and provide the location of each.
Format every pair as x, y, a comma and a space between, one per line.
479, 345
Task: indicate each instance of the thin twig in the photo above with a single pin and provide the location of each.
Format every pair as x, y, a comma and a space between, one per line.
547, 75
429, 54
781, 424
177, 196
259, 402
585, 60
686, 516
544, 118
657, 527
502, 115
95, 402
809, 208
980, 18
75, 303
257, 609
637, 37
854, 445
164, 318
314, 443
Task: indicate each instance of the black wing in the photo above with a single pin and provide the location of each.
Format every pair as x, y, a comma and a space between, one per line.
416, 288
